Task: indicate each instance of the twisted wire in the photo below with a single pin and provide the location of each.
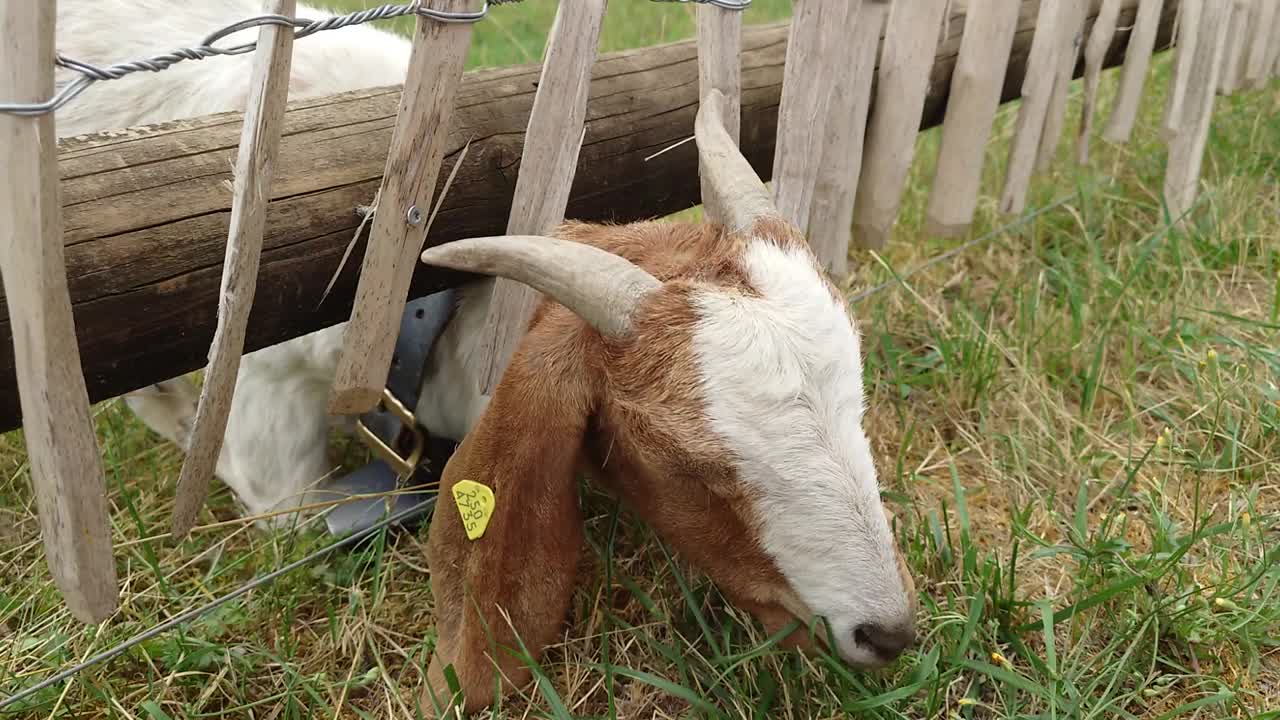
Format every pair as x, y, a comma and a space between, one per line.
207, 48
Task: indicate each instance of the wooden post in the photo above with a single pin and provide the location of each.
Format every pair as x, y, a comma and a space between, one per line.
1186, 149
975, 97
808, 75
1037, 86
1104, 29
831, 213
404, 203
1133, 75
255, 165
1261, 38
548, 164
1233, 60
720, 68
1072, 17
1190, 14
66, 469
910, 41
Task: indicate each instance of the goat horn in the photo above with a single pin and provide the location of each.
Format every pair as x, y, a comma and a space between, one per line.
736, 190
600, 287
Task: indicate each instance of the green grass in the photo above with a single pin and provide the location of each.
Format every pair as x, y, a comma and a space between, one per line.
1077, 423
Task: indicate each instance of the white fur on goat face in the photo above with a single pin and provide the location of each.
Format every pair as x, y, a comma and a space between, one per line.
782, 379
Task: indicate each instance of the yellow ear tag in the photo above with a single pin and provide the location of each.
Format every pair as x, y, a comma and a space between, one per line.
475, 503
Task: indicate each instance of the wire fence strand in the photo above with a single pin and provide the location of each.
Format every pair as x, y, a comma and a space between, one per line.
207, 48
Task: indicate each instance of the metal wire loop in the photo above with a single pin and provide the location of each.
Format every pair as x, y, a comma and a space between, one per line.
303, 27
207, 47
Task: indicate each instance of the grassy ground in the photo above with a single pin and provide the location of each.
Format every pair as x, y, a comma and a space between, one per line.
1077, 421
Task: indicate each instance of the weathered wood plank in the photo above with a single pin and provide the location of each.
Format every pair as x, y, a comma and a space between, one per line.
547, 169
62, 449
989, 30
1037, 87
147, 214
720, 68
1186, 148
251, 191
831, 213
1188, 32
1071, 42
810, 72
1133, 74
1256, 71
403, 206
1237, 38
902, 79
1104, 28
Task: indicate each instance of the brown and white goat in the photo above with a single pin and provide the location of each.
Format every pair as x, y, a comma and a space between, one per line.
710, 376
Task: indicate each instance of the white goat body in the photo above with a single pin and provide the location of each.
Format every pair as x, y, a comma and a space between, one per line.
276, 443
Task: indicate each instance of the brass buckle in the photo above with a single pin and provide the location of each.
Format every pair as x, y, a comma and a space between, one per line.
404, 467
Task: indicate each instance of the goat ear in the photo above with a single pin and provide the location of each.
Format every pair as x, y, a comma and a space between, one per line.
511, 587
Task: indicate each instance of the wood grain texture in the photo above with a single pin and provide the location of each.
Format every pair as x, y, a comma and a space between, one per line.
911, 38
251, 192
1186, 148
1188, 34
989, 30
1273, 47
1133, 74
817, 26
720, 68
1071, 43
547, 168
147, 214
1037, 87
1256, 70
404, 204
1095, 50
1232, 70
62, 449
831, 212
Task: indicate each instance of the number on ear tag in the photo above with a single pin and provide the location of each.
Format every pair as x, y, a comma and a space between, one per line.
475, 503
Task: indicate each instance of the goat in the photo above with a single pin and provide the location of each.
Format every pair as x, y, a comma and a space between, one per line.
709, 375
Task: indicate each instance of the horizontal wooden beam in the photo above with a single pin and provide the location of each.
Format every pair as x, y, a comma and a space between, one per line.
147, 209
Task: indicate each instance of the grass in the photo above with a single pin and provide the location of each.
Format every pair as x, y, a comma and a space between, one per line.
1077, 422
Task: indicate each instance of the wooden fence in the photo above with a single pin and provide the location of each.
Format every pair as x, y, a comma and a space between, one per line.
827, 105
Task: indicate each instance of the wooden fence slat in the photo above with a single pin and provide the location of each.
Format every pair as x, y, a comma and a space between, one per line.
1233, 60
1187, 147
1273, 47
971, 109
255, 165
1190, 14
720, 68
831, 213
808, 74
1072, 19
146, 211
66, 469
403, 205
1256, 69
910, 42
548, 164
1037, 87
1104, 29
1133, 74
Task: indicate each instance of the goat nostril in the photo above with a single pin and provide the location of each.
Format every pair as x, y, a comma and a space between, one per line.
888, 643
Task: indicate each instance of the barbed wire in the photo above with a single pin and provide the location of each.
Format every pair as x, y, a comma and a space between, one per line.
206, 48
